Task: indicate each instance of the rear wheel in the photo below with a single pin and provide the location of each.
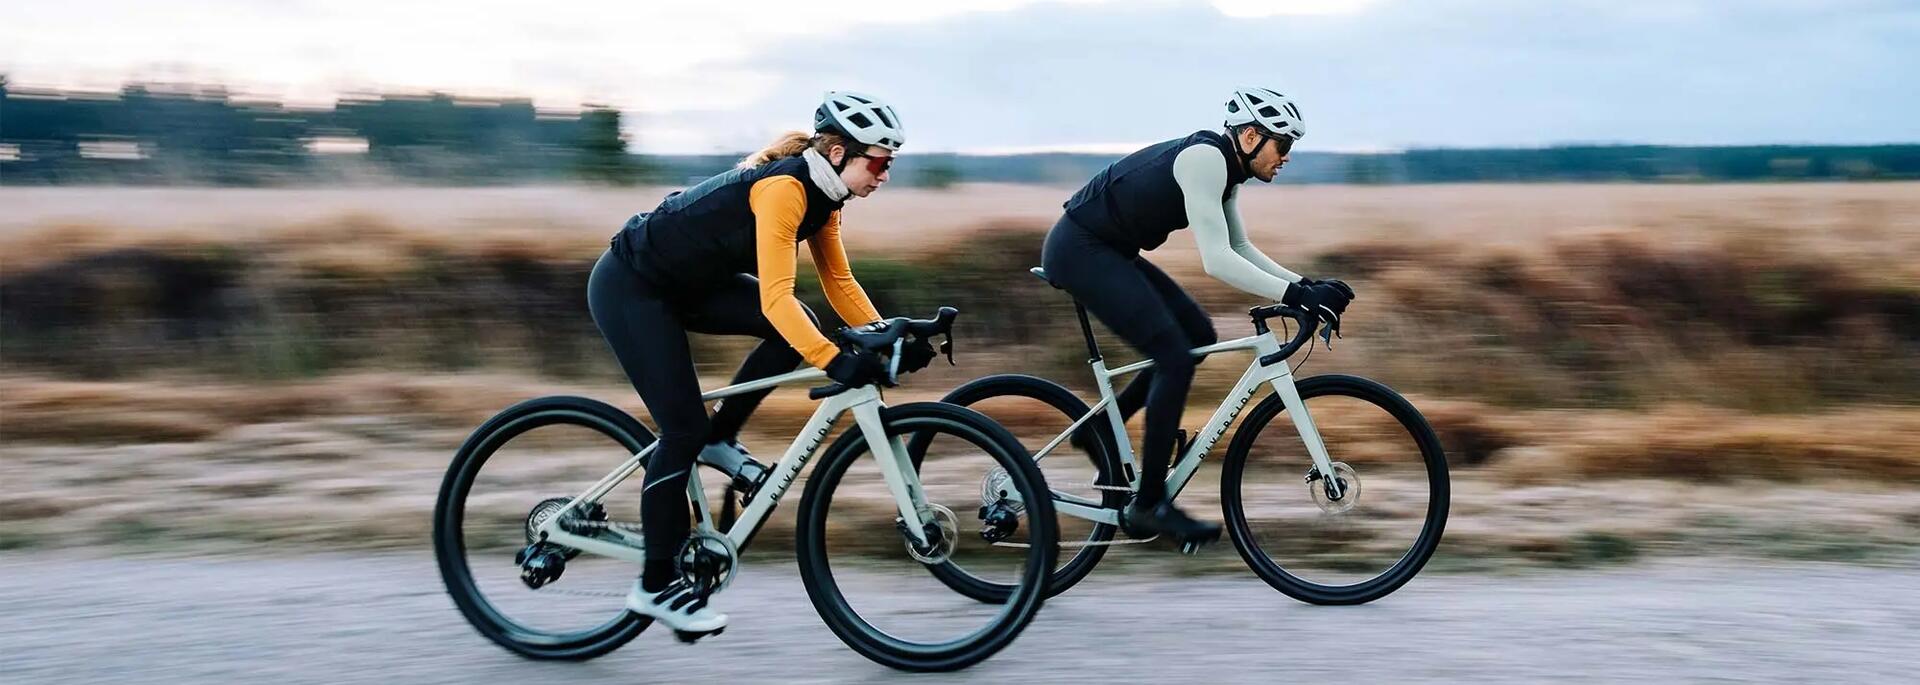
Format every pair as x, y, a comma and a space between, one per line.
1036, 410
521, 465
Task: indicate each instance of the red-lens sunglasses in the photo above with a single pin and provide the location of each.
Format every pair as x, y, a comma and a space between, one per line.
876, 165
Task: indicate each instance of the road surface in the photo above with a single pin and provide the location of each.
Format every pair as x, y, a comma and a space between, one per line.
385, 619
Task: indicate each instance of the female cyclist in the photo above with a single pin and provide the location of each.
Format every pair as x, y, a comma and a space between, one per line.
691, 265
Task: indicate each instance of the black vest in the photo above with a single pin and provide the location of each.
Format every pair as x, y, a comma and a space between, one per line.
706, 232
1136, 203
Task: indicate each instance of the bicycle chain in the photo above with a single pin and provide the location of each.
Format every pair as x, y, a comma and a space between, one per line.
605, 525
1078, 545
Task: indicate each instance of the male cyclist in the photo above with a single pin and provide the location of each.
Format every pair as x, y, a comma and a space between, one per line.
1131, 206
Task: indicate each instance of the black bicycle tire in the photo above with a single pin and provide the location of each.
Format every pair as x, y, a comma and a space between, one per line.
1432, 529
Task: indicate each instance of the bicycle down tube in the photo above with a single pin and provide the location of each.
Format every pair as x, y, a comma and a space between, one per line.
863, 403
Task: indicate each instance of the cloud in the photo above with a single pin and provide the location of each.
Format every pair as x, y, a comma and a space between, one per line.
1018, 74
1392, 74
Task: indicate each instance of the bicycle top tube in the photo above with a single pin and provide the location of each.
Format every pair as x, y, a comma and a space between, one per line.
1260, 315
1247, 343
806, 374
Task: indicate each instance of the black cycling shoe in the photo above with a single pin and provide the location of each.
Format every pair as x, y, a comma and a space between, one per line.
1165, 519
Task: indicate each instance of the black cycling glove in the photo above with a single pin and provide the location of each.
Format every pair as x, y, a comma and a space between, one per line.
1327, 300
854, 368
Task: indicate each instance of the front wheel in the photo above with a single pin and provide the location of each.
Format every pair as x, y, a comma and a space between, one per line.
1351, 536
872, 586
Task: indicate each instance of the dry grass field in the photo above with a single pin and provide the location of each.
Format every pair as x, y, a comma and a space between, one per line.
1616, 370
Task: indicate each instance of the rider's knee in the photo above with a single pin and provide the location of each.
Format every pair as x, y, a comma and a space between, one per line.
686, 430
1171, 356
1203, 335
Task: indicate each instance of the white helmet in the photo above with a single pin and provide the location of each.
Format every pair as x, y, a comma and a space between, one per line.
861, 117
1273, 111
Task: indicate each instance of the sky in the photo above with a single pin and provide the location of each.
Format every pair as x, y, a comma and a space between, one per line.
1021, 75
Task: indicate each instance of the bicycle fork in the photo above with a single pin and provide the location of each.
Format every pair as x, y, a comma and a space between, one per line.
1309, 433
896, 467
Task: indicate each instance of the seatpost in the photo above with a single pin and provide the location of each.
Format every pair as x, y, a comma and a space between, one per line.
1086, 329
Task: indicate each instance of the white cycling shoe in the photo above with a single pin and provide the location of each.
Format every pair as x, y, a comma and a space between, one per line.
681, 606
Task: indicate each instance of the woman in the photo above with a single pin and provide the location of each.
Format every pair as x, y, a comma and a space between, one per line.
691, 265
1132, 206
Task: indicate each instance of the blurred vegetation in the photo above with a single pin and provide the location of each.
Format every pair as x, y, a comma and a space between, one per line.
1604, 396
1620, 319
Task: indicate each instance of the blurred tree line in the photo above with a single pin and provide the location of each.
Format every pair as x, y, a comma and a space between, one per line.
164, 134
1656, 163
167, 134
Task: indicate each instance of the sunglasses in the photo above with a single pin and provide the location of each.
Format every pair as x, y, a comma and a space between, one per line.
1284, 143
876, 165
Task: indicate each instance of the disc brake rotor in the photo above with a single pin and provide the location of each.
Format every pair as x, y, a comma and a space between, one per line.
1349, 487
997, 487
941, 547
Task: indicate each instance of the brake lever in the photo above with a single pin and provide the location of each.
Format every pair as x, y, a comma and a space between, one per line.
1329, 328
893, 362
946, 348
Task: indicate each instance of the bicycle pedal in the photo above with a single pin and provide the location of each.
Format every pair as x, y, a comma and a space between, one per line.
1192, 545
690, 637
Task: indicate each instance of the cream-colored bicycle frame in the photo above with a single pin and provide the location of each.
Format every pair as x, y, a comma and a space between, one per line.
1279, 375
863, 402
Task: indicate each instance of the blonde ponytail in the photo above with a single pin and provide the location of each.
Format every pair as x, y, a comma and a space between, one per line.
792, 143
787, 145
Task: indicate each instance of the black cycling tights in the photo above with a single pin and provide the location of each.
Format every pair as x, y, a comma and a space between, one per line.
647, 329
1149, 311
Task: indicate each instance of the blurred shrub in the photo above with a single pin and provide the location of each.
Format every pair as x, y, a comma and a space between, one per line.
1614, 319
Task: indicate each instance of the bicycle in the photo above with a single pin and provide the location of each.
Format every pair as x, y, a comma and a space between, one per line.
1346, 540
838, 547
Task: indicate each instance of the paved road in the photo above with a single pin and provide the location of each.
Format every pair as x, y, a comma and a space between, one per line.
385, 619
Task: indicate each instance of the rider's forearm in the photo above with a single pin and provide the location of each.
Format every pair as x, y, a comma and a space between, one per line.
1202, 174
1237, 236
844, 294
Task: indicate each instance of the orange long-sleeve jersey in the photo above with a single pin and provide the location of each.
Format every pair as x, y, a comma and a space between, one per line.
778, 203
